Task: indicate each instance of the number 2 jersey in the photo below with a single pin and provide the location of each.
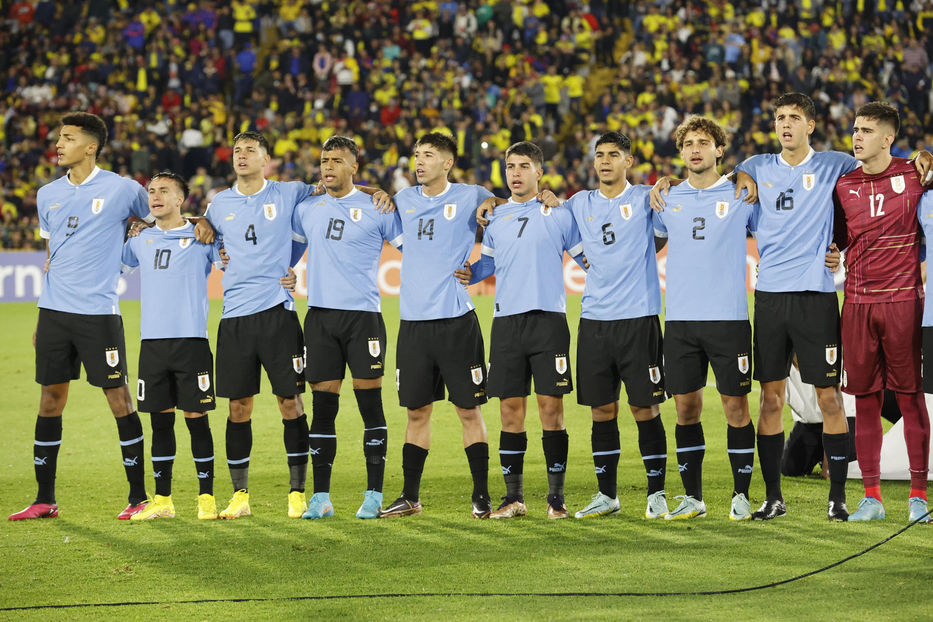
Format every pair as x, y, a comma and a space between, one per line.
345, 237
706, 252
882, 233
438, 234
173, 281
85, 225
257, 235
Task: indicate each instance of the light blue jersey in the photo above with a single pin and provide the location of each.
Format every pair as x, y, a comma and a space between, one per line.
345, 237
85, 226
795, 224
527, 242
706, 251
173, 281
925, 215
257, 235
618, 241
439, 233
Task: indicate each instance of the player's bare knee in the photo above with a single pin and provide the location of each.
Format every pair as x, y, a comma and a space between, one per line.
830, 401
689, 407
52, 400
419, 417
364, 384
606, 412
735, 408
640, 413
119, 400
290, 407
241, 409
329, 386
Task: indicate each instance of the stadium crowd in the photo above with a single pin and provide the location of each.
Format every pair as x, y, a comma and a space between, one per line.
177, 81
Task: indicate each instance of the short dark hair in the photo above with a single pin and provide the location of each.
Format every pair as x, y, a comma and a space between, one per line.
90, 124
883, 112
178, 179
341, 142
616, 138
697, 123
440, 141
251, 135
528, 149
797, 100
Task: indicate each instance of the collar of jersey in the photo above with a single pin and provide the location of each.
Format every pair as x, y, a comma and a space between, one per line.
353, 191
86, 180
178, 228
809, 155
236, 188
719, 182
618, 196
512, 203
436, 196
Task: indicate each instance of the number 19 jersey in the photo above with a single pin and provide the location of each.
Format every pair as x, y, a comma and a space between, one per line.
438, 234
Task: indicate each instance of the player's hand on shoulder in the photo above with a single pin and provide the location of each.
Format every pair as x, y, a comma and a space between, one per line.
136, 227
486, 208
289, 280
383, 202
318, 189
833, 258
224, 257
464, 274
744, 181
658, 192
924, 165
549, 198
203, 231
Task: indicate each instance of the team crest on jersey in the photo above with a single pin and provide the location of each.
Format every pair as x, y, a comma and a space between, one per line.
298, 364
743, 363
450, 210
722, 208
97, 205
898, 184
808, 181
184, 242
269, 211
204, 381
476, 373
560, 364
374, 348
831, 354
113, 356
654, 372
545, 210
626, 211
356, 214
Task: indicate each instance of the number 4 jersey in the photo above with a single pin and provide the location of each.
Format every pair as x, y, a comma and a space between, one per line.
882, 233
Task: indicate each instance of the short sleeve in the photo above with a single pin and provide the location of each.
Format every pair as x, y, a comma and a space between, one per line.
129, 259
660, 230
488, 246
298, 231
140, 206
573, 243
391, 227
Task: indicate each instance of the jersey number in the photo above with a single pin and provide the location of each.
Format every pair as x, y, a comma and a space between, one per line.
162, 257
72, 224
426, 228
877, 209
698, 227
609, 237
785, 200
334, 229
524, 221
251, 234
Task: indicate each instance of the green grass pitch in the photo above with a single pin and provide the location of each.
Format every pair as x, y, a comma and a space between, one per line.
85, 556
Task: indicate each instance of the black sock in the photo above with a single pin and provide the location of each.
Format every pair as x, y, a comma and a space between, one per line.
413, 458
202, 450
239, 446
853, 455
45, 456
836, 447
295, 435
134, 455
163, 451
512, 448
375, 435
604, 439
555, 444
478, 457
691, 447
770, 449
652, 443
322, 437
741, 446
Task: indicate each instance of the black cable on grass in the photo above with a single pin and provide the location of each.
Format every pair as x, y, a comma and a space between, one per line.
207, 601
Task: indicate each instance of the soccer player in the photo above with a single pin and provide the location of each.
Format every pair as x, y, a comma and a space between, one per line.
524, 245
83, 216
176, 366
706, 315
439, 340
883, 305
619, 336
344, 324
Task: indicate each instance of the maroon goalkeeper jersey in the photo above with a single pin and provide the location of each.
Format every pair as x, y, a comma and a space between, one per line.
883, 234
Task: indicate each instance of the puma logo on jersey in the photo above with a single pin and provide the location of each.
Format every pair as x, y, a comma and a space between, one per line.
855, 192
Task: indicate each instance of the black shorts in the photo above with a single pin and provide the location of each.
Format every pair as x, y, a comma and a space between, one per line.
609, 353
271, 339
534, 343
432, 353
926, 369
175, 373
690, 347
66, 340
805, 323
335, 338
